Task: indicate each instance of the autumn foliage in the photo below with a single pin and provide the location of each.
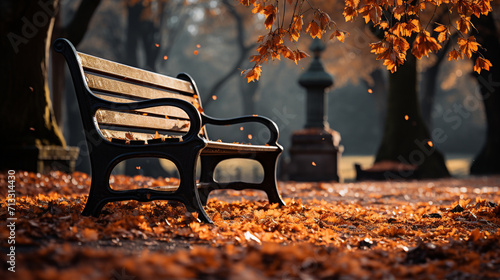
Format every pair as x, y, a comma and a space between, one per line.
416, 230
404, 26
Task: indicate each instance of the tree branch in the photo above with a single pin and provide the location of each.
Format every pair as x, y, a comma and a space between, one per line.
76, 29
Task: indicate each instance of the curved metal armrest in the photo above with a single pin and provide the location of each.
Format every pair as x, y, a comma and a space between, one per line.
273, 128
191, 111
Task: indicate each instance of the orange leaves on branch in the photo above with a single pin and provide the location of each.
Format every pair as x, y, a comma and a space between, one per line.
300, 55
324, 20
392, 49
443, 33
405, 29
295, 28
340, 35
372, 12
314, 30
247, 2
272, 45
468, 46
464, 24
252, 74
454, 54
424, 44
270, 12
482, 63
401, 19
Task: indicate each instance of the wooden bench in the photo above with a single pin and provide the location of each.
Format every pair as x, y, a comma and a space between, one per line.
128, 113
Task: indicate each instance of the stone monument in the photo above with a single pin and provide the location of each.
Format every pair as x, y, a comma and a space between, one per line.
315, 150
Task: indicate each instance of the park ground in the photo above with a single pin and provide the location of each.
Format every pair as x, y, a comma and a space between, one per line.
430, 229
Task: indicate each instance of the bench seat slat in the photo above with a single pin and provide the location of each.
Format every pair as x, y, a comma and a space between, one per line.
112, 118
214, 147
169, 111
99, 65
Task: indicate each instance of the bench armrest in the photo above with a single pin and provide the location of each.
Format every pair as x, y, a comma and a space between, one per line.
273, 128
191, 111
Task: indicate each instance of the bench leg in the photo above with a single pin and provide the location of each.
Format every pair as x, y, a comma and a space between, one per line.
188, 190
99, 191
270, 184
93, 207
208, 165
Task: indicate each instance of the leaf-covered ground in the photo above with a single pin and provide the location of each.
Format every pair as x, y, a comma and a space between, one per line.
371, 230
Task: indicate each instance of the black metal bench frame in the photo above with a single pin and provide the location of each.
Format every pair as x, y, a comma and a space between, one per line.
105, 155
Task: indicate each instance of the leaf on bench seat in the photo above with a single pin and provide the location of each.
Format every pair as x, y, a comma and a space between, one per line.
129, 136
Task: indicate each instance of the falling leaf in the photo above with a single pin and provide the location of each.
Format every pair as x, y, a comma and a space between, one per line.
165, 57
214, 97
195, 52
313, 163
430, 143
138, 167
370, 91
250, 136
157, 45
198, 46
407, 117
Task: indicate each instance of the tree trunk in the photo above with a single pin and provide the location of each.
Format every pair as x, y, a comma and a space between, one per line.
27, 115
488, 160
74, 31
406, 138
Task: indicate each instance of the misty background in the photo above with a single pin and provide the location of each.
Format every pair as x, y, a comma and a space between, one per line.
354, 110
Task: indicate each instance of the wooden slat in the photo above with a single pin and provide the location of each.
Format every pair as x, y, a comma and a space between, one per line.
109, 133
169, 111
224, 148
112, 118
100, 65
122, 88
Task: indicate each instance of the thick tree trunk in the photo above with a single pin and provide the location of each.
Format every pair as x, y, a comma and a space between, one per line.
488, 160
25, 35
406, 139
73, 31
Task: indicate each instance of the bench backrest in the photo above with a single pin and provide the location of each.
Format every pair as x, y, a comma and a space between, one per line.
116, 82
120, 83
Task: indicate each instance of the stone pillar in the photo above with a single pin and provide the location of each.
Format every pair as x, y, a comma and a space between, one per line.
315, 150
